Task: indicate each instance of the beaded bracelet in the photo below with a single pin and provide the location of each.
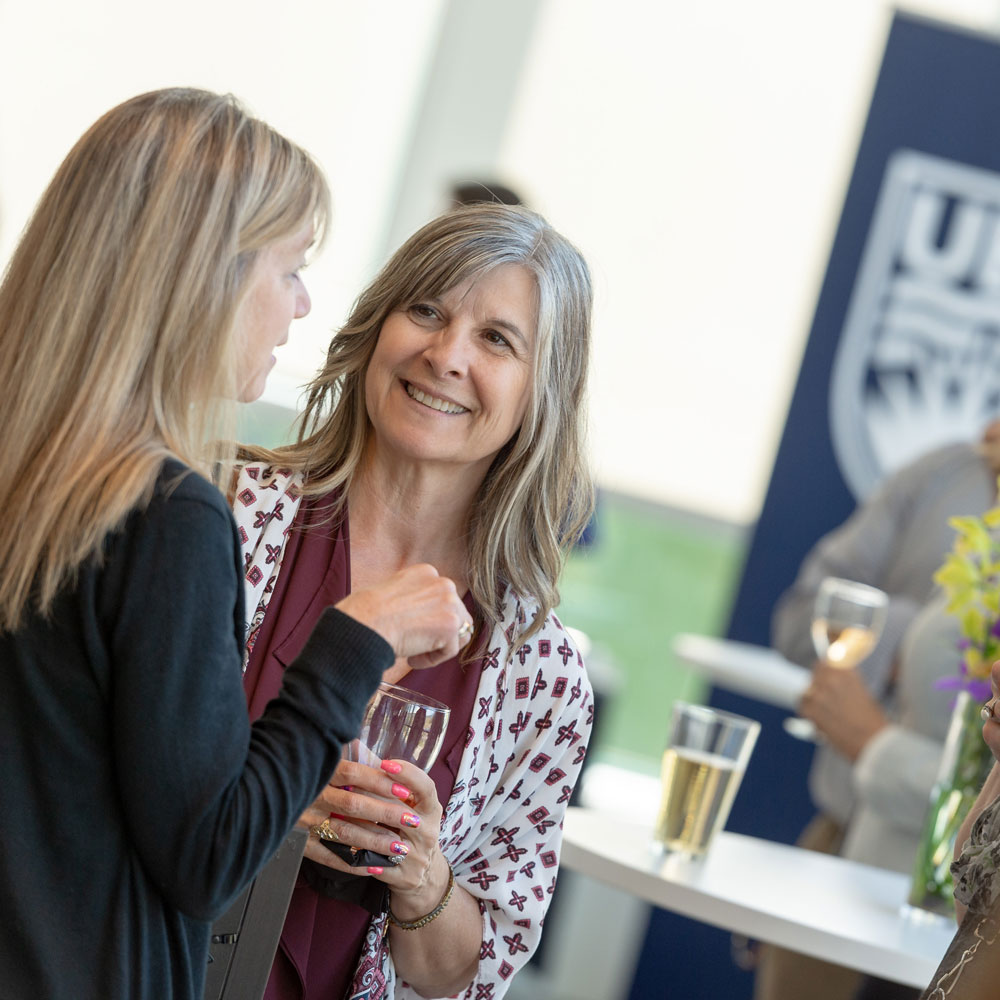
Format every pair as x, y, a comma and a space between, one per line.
414, 925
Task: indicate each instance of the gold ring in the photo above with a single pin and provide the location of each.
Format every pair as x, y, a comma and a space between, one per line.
465, 629
325, 832
986, 712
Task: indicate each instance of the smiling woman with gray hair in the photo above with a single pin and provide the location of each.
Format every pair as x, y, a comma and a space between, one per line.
446, 427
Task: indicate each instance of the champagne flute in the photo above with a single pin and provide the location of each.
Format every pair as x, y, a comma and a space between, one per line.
848, 618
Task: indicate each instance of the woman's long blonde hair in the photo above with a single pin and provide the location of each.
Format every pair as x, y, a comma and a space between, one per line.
117, 318
537, 496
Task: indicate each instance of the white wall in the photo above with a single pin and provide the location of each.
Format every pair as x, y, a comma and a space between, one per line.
340, 77
697, 152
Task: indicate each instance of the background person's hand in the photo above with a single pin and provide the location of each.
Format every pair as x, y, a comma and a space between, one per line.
842, 709
417, 611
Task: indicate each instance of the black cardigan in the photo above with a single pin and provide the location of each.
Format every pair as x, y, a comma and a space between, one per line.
135, 798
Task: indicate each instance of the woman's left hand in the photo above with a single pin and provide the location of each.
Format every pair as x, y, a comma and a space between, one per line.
842, 709
392, 810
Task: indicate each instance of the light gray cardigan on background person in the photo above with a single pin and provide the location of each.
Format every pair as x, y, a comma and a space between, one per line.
896, 541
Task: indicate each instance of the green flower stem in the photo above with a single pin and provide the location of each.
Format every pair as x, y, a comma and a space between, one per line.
950, 801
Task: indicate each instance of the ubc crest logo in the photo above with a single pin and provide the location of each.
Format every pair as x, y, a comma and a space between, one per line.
918, 363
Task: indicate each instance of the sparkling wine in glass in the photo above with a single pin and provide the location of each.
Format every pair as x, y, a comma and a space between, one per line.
848, 618
847, 621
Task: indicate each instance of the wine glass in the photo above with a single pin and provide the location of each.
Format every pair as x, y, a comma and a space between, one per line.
848, 618
400, 724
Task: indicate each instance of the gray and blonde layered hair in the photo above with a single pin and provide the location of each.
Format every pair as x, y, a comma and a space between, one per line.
118, 319
537, 496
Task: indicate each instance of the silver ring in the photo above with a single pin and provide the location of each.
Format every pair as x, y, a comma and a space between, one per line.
325, 832
986, 712
465, 629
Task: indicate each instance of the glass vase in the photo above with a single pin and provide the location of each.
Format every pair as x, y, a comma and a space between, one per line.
965, 763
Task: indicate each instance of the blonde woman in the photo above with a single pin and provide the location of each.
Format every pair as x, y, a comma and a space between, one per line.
157, 275
446, 428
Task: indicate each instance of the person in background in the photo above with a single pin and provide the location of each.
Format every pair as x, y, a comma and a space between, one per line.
883, 724
154, 279
446, 427
472, 192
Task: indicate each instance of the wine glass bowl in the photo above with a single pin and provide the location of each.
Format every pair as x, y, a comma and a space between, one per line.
848, 618
400, 724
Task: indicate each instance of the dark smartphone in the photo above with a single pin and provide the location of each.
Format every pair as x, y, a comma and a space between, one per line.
358, 857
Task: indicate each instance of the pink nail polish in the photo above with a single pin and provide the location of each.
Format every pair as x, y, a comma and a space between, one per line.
337, 816
399, 848
347, 788
375, 870
408, 819
401, 792
391, 767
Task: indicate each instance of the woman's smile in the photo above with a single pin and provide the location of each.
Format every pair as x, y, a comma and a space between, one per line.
434, 402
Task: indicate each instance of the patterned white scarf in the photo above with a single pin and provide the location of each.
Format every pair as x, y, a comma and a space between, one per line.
502, 826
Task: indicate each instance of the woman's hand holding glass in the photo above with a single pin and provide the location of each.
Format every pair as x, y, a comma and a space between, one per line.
442, 957
391, 810
842, 709
848, 618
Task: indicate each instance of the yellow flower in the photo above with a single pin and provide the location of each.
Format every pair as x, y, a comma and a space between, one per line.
974, 662
970, 579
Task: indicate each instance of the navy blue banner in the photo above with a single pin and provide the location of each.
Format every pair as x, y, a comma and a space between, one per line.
903, 355
904, 351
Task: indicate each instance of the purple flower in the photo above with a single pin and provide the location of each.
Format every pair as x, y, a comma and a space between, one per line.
950, 684
979, 690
